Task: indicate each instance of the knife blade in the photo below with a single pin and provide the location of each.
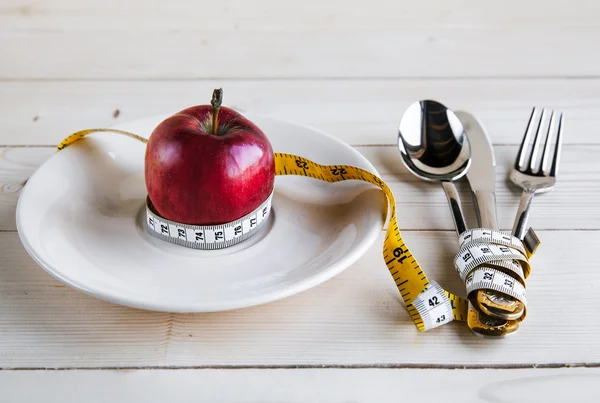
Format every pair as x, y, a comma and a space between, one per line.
481, 174
482, 179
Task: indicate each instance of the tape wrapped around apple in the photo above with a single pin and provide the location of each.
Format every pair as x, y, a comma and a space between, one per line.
208, 165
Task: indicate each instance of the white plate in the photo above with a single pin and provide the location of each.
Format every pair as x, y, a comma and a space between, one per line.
79, 217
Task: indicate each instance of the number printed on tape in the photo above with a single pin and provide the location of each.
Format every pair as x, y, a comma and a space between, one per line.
492, 279
472, 256
211, 236
485, 235
433, 306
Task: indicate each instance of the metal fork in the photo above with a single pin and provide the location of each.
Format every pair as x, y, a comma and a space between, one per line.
528, 173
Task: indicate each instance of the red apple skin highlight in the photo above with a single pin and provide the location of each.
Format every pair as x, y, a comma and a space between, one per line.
196, 177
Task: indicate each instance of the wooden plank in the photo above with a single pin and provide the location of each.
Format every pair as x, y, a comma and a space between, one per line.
355, 318
356, 111
420, 205
423, 205
16, 166
398, 53
303, 385
273, 14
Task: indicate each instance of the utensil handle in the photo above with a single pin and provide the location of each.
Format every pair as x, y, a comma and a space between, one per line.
485, 207
454, 201
520, 225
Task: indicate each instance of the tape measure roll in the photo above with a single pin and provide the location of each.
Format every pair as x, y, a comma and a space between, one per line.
428, 304
493, 260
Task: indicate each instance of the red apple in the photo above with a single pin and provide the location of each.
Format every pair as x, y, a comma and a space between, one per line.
208, 165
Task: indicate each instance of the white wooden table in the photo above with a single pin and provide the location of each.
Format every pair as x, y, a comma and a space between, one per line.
350, 68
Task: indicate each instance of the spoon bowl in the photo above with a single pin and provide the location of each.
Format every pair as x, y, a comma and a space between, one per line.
434, 147
433, 143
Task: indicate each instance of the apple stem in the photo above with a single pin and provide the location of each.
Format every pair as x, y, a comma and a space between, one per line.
217, 99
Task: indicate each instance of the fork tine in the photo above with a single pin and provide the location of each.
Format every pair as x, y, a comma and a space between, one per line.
557, 148
522, 154
551, 134
533, 162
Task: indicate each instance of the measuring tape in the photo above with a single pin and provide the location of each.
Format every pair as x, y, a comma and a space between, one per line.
493, 260
207, 236
486, 259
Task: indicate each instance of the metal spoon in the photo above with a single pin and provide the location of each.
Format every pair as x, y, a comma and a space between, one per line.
434, 147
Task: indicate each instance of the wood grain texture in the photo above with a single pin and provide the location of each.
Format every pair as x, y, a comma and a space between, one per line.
303, 385
389, 53
307, 15
420, 205
16, 166
355, 318
350, 70
356, 111
573, 204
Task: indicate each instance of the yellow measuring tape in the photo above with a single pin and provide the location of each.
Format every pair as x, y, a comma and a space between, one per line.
427, 303
402, 265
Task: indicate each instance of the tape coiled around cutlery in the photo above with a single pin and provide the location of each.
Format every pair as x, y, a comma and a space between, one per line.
493, 260
483, 253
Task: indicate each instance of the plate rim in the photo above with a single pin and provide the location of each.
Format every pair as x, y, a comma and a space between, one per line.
295, 288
